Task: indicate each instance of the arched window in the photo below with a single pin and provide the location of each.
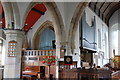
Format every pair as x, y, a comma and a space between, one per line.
105, 43
99, 39
46, 40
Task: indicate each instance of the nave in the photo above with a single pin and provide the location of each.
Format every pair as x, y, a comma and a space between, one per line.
60, 40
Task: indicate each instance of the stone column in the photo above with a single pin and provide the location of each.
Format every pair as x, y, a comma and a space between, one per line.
58, 52
12, 67
69, 50
57, 57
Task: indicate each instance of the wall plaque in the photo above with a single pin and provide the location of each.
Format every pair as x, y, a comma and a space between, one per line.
12, 48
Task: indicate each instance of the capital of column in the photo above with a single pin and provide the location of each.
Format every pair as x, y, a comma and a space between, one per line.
66, 45
14, 32
61, 44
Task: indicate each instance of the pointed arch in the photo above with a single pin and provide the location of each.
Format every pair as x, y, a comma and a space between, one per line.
39, 30
16, 15
74, 23
57, 20
12, 15
7, 6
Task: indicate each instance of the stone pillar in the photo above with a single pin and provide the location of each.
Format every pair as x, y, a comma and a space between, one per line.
12, 67
58, 58
69, 51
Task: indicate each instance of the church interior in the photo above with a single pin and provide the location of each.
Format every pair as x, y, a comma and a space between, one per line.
60, 40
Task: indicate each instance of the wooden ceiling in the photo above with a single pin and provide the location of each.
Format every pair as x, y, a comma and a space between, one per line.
104, 9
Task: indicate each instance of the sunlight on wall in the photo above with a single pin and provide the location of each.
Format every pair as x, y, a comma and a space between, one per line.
114, 33
3, 54
1, 42
114, 39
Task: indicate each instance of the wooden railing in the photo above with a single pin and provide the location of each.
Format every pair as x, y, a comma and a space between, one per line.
34, 57
39, 52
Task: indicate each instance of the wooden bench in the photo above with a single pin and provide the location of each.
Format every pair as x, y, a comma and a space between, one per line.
87, 74
116, 75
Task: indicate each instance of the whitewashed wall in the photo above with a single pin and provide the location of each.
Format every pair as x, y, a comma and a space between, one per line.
35, 27
69, 9
22, 9
114, 33
2, 53
101, 57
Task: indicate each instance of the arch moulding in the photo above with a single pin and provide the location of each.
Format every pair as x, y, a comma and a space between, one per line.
74, 24
45, 25
57, 20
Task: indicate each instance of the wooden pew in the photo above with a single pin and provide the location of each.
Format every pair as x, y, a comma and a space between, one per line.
116, 75
87, 74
